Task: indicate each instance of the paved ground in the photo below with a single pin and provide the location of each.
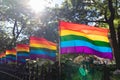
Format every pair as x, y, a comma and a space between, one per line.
6, 76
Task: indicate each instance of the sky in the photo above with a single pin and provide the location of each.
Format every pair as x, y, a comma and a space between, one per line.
39, 5
58, 1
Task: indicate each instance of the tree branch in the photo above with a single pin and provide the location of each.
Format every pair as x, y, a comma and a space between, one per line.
112, 10
98, 4
105, 14
15, 24
23, 26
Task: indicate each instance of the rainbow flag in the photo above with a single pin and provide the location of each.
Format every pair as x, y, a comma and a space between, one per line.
0, 58
22, 52
42, 48
3, 57
11, 55
80, 38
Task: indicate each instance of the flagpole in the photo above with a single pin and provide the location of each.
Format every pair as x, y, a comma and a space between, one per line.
0, 60
59, 49
16, 58
59, 56
5, 58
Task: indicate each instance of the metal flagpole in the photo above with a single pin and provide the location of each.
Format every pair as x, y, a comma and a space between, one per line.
59, 56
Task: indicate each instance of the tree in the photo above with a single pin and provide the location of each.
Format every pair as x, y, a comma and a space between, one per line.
24, 23
102, 12
4, 40
115, 42
13, 16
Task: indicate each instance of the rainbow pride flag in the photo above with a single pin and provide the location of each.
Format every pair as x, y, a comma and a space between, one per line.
42, 48
80, 38
3, 57
22, 52
0, 58
11, 55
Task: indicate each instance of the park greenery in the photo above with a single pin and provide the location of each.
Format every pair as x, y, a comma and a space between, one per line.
18, 21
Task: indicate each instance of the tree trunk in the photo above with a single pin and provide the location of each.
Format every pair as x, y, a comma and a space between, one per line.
115, 45
114, 41
118, 34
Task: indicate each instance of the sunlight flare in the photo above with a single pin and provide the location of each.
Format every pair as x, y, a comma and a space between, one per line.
37, 5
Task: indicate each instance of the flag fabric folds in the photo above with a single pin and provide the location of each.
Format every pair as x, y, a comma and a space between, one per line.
80, 38
22, 53
11, 55
42, 48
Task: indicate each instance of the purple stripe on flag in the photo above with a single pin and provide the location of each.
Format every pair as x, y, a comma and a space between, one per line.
86, 50
34, 56
10, 60
22, 57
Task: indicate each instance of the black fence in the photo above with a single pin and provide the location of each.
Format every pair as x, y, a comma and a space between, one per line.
67, 71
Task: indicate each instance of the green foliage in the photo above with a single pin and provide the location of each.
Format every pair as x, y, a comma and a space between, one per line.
116, 77
116, 22
45, 24
4, 40
71, 71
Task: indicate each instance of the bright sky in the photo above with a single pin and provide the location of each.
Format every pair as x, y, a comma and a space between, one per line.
39, 5
58, 1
